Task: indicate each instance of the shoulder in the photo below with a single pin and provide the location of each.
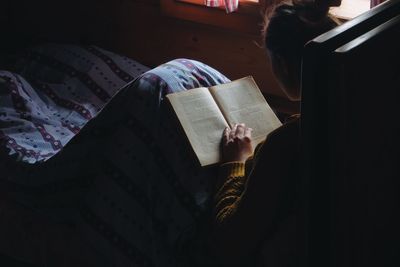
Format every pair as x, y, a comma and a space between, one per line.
284, 139
288, 132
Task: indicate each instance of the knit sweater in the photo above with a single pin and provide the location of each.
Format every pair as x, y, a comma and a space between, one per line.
253, 198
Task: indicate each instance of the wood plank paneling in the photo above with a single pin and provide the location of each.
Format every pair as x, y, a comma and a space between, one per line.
144, 34
138, 29
246, 19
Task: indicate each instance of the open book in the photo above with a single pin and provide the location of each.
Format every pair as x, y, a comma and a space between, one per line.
205, 112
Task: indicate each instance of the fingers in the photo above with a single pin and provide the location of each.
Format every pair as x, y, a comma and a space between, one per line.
247, 132
225, 137
240, 129
233, 131
237, 143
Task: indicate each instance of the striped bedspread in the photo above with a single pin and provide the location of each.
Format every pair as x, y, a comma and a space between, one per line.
113, 165
57, 90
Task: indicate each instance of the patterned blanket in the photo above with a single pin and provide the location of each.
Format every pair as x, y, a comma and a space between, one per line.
68, 86
123, 178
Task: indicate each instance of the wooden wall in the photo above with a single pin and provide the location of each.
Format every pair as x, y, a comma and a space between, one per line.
138, 29
144, 33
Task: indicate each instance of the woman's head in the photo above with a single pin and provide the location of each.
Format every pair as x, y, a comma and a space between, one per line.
288, 29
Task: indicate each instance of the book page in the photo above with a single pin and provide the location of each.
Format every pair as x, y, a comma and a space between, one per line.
202, 122
241, 101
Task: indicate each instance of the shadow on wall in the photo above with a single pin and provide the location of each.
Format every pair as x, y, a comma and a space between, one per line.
71, 21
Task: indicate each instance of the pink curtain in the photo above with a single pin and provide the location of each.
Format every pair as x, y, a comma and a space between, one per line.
376, 2
230, 5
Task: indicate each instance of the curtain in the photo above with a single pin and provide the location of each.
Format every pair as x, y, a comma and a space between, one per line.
376, 2
230, 5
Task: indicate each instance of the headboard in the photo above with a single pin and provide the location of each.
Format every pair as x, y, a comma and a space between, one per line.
350, 86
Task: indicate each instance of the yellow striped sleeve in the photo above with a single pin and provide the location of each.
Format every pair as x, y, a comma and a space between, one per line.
227, 198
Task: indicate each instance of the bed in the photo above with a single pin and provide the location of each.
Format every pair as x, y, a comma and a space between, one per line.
92, 170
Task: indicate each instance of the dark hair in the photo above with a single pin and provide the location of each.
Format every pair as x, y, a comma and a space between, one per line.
289, 27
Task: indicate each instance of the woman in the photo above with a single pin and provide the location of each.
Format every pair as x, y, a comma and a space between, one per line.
253, 202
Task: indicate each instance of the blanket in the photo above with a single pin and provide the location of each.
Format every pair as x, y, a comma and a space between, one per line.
124, 179
67, 86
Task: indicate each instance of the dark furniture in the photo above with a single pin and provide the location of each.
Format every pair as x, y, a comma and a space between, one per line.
350, 129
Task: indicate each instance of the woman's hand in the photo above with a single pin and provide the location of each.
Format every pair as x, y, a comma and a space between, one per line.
236, 143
